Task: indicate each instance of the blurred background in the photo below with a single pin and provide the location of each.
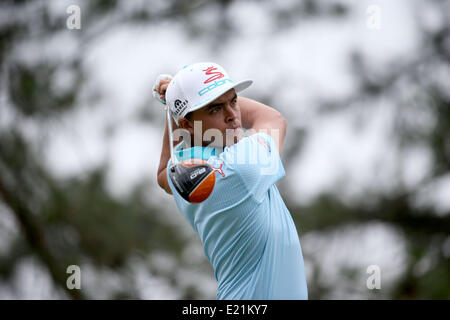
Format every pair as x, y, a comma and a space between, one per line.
365, 86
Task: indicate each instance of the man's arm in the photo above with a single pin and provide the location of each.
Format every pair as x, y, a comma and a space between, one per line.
165, 151
259, 117
165, 156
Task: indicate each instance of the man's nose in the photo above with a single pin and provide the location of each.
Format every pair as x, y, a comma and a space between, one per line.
230, 113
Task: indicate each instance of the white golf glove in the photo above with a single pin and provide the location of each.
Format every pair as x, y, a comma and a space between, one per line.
155, 89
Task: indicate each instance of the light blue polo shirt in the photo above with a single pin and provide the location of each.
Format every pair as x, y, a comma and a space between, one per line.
247, 232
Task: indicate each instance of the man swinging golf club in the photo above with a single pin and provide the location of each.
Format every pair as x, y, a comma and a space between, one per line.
223, 181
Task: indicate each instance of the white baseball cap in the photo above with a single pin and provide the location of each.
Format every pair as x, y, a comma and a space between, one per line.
198, 84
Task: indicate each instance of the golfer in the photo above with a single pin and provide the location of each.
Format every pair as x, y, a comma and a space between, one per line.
247, 232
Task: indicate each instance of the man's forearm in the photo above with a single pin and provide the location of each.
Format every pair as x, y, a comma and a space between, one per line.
253, 113
164, 159
260, 117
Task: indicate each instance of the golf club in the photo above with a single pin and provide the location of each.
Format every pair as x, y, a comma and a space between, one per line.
194, 179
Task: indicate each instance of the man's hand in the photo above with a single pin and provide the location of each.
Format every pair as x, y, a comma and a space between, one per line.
160, 87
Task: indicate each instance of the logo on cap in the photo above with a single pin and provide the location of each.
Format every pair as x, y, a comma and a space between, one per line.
180, 106
214, 85
215, 74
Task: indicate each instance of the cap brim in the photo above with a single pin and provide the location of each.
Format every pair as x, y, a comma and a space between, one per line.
238, 86
242, 85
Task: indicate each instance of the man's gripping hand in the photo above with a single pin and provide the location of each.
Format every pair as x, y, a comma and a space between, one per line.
160, 87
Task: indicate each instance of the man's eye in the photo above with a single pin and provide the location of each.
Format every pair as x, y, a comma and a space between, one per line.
214, 110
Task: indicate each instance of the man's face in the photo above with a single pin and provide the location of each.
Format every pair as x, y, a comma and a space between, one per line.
220, 119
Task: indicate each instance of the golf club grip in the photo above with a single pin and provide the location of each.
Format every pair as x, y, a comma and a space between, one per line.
169, 129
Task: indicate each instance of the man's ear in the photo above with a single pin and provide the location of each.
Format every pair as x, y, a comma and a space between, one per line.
186, 124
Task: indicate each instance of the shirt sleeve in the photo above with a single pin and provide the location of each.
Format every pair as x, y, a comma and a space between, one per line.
256, 159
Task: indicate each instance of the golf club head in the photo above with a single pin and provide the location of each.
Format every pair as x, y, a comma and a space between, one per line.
194, 179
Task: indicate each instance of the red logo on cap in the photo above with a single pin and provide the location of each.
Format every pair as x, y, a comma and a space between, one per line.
215, 74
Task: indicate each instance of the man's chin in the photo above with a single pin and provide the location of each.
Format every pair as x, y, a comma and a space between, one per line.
239, 134
234, 137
